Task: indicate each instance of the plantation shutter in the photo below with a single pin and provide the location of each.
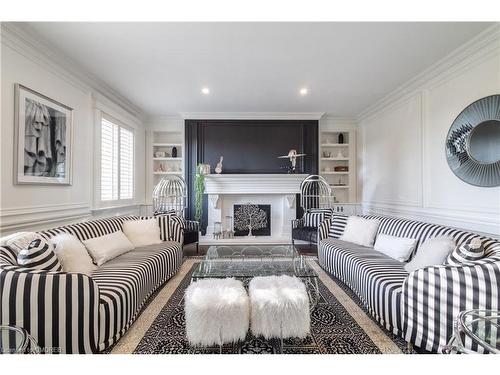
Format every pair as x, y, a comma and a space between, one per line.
117, 161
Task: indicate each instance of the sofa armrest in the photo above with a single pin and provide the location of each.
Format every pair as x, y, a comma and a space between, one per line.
192, 226
297, 223
59, 310
433, 296
323, 229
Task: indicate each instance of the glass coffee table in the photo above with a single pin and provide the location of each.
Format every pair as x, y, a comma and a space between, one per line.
245, 262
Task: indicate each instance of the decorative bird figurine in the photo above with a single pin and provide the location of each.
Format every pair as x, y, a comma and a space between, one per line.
292, 155
218, 168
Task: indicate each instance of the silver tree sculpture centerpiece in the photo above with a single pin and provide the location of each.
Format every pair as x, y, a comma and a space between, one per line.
249, 216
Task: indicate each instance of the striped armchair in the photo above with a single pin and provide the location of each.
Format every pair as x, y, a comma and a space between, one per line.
420, 306
74, 313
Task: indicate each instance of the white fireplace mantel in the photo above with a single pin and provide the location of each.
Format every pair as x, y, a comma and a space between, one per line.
253, 183
278, 190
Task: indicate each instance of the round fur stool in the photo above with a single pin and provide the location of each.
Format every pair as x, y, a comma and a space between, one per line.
279, 307
217, 312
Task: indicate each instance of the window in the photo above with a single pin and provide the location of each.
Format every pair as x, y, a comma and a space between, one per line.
117, 161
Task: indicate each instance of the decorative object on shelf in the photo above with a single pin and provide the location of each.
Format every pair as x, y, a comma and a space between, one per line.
250, 217
327, 154
228, 230
341, 138
473, 143
292, 155
315, 192
339, 154
170, 194
174, 152
217, 230
43, 129
199, 190
218, 168
341, 168
204, 168
160, 154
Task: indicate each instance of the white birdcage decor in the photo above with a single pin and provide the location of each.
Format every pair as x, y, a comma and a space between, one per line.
315, 192
170, 195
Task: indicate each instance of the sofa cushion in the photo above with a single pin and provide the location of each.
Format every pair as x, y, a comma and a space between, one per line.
126, 282
466, 253
399, 248
72, 254
360, 231
433, 252
103, 249
142, 232
374, 277
39, 255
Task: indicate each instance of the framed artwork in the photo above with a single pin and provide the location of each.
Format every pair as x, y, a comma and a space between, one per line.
44, 135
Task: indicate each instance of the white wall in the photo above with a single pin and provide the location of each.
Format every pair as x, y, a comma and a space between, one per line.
38, 206
403, 167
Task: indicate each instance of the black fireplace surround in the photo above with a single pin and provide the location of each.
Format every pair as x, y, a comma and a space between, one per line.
248, 146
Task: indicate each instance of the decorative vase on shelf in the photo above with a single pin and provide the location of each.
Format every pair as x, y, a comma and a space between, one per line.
218, 168
174, 152
341, 138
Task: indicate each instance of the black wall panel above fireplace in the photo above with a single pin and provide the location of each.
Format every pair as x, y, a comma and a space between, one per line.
249, 146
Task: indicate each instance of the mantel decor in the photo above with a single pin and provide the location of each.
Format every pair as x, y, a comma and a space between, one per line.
43, 129
473, 143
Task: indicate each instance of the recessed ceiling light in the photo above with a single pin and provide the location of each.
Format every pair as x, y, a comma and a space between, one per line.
303, 91
205, 90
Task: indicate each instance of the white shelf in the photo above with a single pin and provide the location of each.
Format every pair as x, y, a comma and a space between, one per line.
337, 173
335, 145
339, 186
168, 158
336, 159
167, 144
162, 173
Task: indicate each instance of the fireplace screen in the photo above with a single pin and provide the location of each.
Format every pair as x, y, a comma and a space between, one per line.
252, 219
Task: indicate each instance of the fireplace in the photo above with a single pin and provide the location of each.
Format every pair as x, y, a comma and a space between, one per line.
256, 216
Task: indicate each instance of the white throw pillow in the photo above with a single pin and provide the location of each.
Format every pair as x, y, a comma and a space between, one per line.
142, 232
107, 247
20, 240
432, 252
72, 254
399, 248
360, 231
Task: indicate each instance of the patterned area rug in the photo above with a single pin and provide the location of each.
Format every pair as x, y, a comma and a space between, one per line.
337, 327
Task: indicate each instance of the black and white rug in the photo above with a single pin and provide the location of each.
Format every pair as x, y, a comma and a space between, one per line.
338, 326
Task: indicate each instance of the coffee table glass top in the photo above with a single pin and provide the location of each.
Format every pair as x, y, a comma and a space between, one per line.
253, 260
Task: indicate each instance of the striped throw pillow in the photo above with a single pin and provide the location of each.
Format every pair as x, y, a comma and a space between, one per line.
466, 253
39, 255
313, 219
337, 226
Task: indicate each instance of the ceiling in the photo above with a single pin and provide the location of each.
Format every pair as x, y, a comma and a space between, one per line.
255, 67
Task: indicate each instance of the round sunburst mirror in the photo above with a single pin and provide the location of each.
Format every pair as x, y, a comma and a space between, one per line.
473, 143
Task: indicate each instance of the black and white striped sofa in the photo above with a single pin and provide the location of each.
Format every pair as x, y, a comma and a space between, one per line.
420, 306
74, 313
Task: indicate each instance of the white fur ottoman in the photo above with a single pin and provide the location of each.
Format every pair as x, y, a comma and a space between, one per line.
217, 312
279, 307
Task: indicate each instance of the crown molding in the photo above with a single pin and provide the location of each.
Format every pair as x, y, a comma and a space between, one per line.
251, 115
24, 41
483, 45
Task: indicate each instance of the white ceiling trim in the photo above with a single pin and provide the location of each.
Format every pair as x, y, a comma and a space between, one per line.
38, 50
251, 115
483, 44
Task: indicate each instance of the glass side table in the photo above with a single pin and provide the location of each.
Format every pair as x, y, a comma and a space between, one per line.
476, 328
16, 340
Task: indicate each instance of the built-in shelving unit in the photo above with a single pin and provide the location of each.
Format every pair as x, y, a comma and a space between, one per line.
161, 162
337, 162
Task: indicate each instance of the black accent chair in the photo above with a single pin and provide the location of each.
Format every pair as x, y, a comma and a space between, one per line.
301, 232
192, 233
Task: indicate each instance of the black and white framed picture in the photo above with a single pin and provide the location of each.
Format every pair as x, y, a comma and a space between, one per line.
43, 129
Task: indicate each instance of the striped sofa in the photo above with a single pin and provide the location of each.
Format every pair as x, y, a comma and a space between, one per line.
74, 313
420, 306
